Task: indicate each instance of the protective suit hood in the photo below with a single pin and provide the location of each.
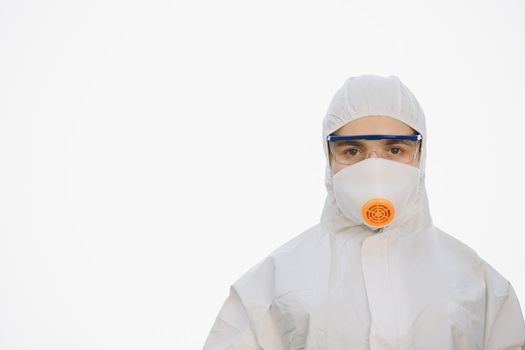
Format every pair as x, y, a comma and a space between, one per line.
371, 95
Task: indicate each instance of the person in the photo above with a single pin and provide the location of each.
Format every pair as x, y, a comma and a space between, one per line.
375, 272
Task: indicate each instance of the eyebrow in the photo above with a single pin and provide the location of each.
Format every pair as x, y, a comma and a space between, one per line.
393, 142
349, 142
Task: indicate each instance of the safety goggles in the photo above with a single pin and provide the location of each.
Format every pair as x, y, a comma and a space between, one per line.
349, 150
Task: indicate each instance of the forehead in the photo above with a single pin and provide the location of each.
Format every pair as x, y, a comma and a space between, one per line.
375, 125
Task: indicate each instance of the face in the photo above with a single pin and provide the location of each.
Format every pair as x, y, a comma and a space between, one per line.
373, 125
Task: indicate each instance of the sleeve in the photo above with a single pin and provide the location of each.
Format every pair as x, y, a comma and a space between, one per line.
232, 328
507, 329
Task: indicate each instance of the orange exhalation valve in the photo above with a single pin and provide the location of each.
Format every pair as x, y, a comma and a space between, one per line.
378, 212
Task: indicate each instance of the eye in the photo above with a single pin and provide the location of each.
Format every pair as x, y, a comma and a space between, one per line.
395, 150
352, 152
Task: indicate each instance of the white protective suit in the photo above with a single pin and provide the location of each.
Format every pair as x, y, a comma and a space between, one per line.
340, 285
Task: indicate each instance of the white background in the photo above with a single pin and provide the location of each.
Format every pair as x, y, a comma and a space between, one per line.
151, 152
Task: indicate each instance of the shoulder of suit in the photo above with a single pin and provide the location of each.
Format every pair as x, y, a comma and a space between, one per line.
493, 279
451, 244
307, 239
301, 241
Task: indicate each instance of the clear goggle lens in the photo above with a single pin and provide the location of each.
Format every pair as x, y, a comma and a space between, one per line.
349, 150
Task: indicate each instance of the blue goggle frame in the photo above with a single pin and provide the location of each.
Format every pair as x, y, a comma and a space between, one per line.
374, 137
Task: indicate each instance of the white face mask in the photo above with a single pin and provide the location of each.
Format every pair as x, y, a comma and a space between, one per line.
376, 192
